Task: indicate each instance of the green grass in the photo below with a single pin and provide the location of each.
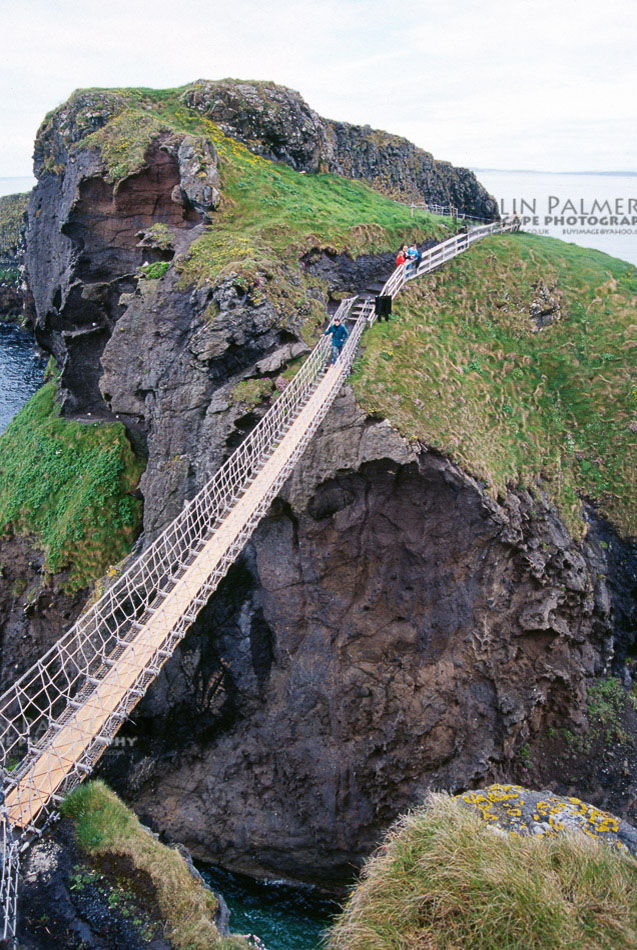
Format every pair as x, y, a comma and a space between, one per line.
69, 485
250, 392
270, 213
104, 825
443, 880
462, 368
606, 702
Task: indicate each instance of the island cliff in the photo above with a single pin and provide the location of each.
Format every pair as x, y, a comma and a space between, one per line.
395, 623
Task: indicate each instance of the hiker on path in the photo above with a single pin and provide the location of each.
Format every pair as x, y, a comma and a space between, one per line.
401, 257
414, 258
339, 335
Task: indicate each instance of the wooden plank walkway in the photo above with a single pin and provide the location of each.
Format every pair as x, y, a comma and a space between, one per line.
49, 771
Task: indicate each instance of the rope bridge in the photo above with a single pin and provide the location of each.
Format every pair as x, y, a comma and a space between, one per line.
59, 717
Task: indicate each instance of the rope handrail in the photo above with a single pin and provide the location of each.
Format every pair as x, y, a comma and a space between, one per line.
60, 715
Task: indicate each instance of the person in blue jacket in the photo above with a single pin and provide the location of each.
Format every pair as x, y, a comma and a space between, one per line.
339, 335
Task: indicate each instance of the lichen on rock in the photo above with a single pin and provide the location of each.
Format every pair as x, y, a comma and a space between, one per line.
520, 810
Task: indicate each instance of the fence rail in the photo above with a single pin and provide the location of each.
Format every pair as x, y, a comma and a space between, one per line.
58, 718
446, 211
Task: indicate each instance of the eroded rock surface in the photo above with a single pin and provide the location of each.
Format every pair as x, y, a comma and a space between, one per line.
277, 123
391, 628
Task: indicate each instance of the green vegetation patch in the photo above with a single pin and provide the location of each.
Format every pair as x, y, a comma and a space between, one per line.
154, 271
104, 825
250, 392
70, 485
444, 879
463, 367
12, 211
270, 214
123, 142
606, 703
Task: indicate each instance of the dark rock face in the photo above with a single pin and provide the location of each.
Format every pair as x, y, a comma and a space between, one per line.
34, 609
277, 123
390, 629
88, 232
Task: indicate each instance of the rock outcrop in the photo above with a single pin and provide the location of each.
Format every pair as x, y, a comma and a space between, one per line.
523, 811
391, 627
277, 123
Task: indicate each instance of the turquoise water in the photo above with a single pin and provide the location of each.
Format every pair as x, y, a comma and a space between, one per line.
284, 917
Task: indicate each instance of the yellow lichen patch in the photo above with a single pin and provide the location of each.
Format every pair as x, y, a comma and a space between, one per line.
515, 809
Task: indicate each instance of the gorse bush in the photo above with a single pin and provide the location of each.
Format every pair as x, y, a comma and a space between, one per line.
70, 486
444, 880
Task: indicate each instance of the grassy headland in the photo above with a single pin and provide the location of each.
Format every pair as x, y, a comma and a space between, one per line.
105, 826
463, 367
270, 214
443, 879
69, 485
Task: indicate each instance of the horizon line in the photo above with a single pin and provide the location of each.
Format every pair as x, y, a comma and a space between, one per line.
541, 171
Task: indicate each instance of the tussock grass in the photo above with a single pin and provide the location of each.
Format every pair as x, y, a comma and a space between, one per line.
104, 825
69, 485
463, 368
444, 880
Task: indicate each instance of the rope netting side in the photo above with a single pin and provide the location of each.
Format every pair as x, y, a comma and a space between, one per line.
33, 704
78, 737
57, 719
9, 872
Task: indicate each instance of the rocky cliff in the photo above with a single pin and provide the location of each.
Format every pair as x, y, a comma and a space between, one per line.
392, 626
389, 629
12, 224
277, 123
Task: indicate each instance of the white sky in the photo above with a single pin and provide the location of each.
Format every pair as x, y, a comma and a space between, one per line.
548, 84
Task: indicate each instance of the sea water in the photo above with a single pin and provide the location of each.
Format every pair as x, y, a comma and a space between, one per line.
574, 207
284, 917
21, 371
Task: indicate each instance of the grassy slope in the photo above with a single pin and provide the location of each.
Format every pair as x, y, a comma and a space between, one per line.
105, 826
444, 879
462, 368
69, 485
270, 214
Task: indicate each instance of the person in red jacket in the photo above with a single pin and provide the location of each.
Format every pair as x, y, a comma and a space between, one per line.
402, 257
